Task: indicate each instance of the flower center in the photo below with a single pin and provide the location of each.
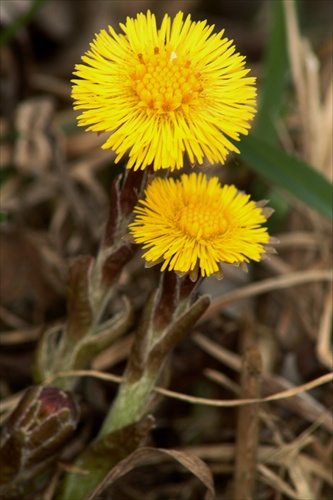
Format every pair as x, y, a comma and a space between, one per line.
202, 221
165, 82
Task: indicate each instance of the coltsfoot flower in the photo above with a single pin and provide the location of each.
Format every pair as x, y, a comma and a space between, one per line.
194, 224
162, 92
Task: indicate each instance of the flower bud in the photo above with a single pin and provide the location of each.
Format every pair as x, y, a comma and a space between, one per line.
32, 438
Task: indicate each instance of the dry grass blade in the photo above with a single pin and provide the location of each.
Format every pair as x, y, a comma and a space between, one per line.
11, 319
272, 479
303, 404
315, 110
267, 455
142, 455
289, 455
324, 350
218, 352
114, 354
324, 379
264, 286
20, 336
222, 380
296, 239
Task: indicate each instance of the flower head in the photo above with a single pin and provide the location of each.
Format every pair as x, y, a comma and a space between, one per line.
161, 92
194, 224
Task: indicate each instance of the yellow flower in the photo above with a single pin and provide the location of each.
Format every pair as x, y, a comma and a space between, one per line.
161, 92
194, 224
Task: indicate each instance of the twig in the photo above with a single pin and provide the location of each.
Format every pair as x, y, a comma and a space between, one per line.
247, 426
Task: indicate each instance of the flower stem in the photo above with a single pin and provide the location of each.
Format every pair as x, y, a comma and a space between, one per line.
130, 404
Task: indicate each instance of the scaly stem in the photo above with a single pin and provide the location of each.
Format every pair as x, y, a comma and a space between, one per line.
130, 404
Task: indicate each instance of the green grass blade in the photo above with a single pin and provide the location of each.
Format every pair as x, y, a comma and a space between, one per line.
275, 70
289, 173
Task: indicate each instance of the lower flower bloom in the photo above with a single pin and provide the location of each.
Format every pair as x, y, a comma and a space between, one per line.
194, 224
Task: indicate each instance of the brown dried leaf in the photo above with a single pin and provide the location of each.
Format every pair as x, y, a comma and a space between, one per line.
34, 148
143, 455
26, 285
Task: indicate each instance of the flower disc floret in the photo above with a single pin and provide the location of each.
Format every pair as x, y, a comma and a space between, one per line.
162, 92
194, 224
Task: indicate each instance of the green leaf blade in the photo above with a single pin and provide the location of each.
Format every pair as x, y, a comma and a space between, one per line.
288, 172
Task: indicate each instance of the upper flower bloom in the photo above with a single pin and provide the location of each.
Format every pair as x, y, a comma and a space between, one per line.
161, 92
193, 224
